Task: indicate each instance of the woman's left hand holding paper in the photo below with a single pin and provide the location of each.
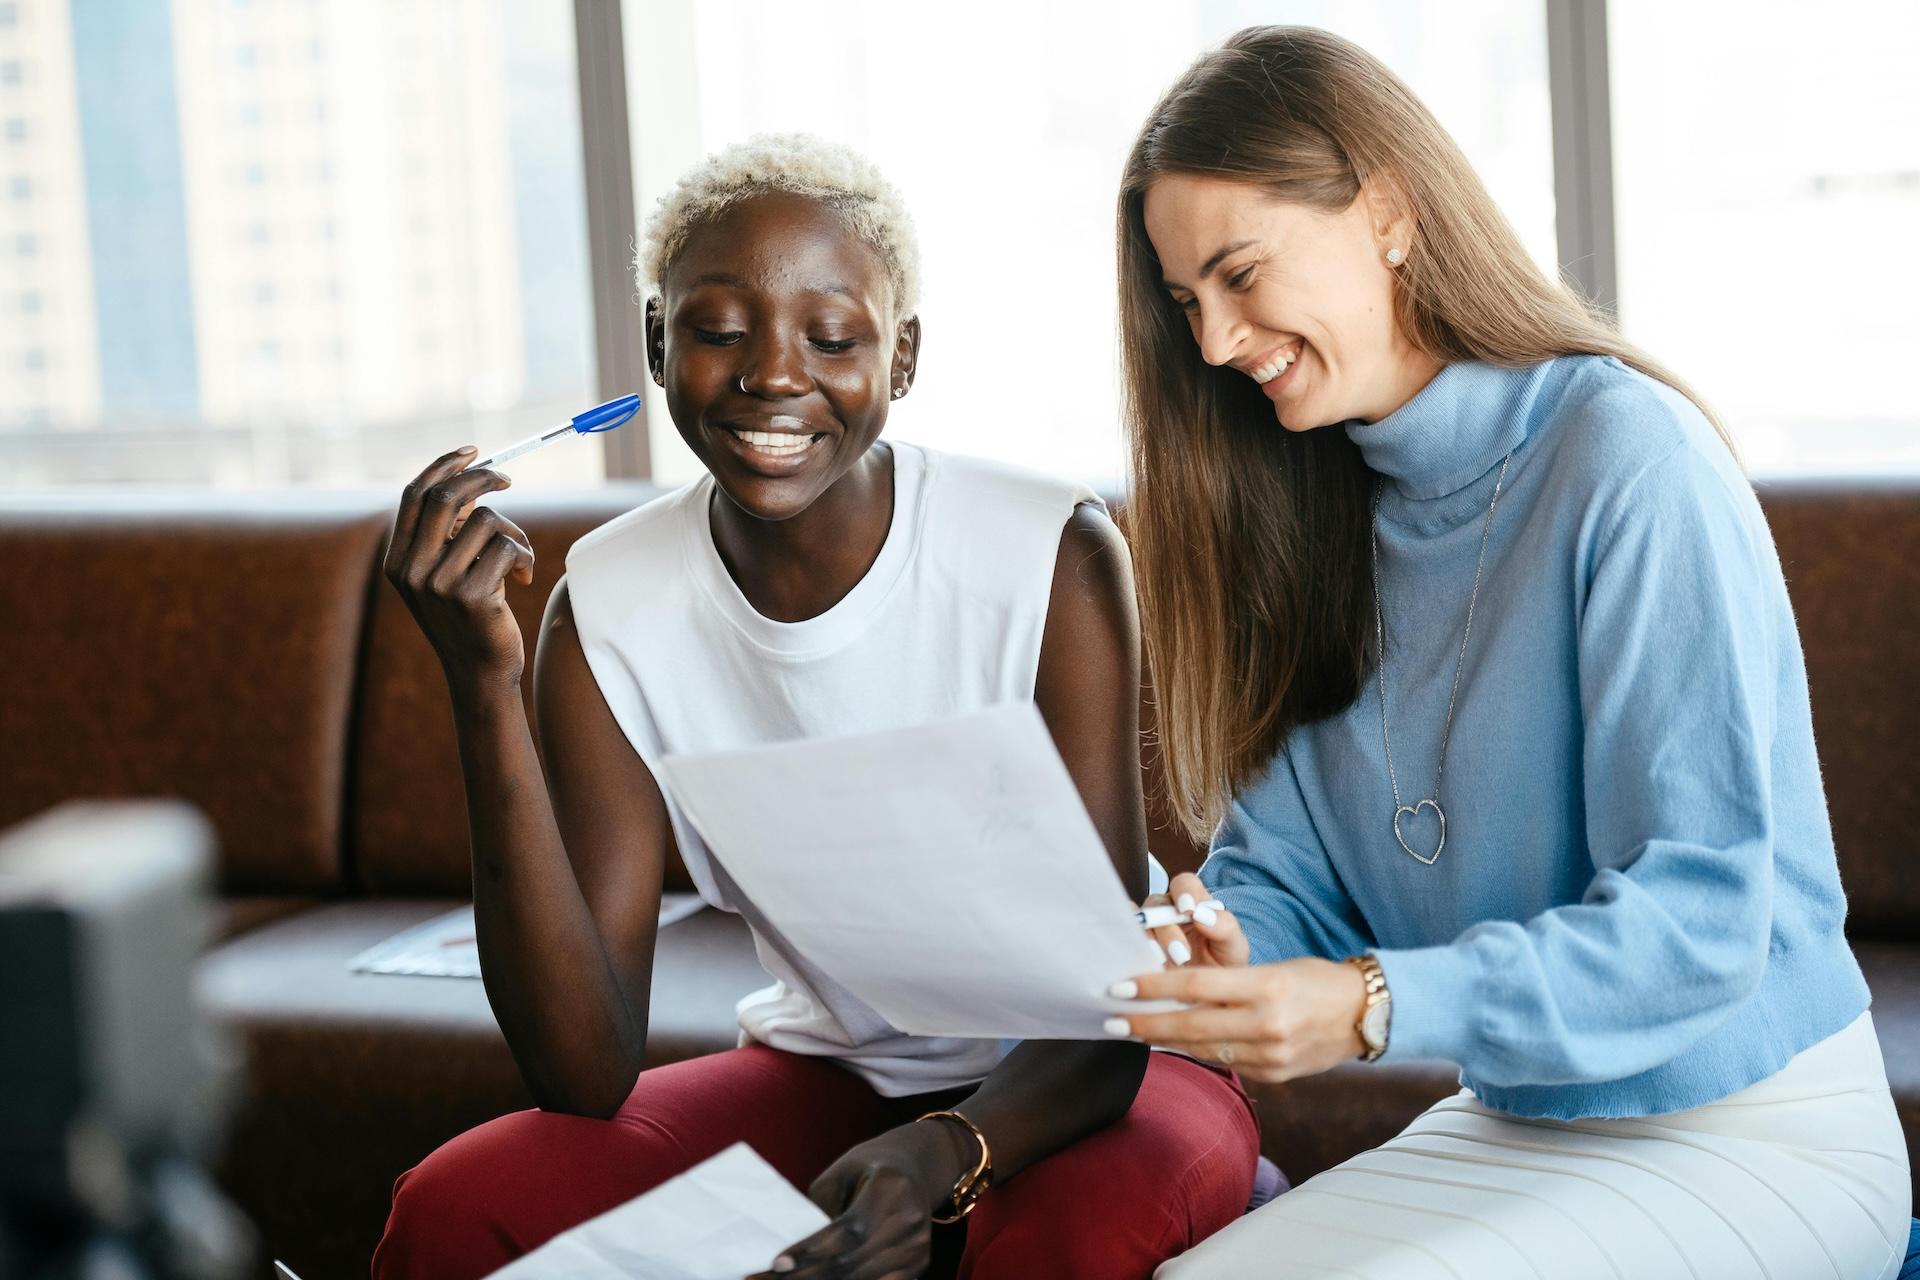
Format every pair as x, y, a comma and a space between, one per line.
1269, 1022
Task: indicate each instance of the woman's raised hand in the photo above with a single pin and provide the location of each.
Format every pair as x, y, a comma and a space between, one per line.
450, 561
1213, 938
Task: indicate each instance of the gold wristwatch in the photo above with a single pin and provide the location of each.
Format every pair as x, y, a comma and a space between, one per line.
1376, 1016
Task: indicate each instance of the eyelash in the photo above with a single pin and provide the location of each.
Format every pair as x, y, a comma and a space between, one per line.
833, 346
1238, 281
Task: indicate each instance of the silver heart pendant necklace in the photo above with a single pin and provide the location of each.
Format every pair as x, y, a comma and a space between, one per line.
1401, 809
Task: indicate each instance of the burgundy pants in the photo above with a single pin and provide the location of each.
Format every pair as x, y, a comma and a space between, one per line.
1176, 1168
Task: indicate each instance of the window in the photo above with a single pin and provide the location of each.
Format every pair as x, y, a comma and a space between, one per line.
1767, 187
241, 247
400, 216
1006, 128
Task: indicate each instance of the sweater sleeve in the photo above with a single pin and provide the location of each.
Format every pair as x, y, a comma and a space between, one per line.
1677, 678
1270, 868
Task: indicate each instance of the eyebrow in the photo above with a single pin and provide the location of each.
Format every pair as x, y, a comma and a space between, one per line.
730, 281
827, 286
1206, 268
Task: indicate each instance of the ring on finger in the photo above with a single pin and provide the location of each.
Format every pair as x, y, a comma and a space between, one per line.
1225, 1054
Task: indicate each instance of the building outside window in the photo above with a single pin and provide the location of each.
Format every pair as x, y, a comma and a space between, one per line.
259, 243
231, 234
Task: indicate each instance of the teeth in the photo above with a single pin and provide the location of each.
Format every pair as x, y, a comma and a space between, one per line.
1274, 368
779, 443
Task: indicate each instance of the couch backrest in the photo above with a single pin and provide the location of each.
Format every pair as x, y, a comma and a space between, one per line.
200, 648
408, 813
408, 816
1851, 553
247, 655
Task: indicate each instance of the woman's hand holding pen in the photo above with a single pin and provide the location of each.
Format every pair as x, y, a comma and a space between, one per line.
1269, 1022
1211, 938
450, 561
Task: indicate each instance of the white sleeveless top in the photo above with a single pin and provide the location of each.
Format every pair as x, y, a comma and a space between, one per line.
948, 620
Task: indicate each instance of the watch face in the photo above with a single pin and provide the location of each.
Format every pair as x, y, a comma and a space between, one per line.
1373, 1027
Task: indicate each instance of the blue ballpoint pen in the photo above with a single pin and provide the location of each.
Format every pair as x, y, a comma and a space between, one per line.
603, 417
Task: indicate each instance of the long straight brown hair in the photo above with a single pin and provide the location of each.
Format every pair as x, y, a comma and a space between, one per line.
1250, 542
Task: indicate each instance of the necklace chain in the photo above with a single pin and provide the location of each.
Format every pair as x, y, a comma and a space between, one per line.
1380, 670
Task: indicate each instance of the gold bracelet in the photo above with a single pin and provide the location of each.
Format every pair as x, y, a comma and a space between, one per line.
972, 1184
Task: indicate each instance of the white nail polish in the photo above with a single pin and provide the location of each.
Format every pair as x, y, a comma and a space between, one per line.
1117, 1027
783, 1264
1205, 914
1185, 902
1214, 904
1179, 952
1124, 990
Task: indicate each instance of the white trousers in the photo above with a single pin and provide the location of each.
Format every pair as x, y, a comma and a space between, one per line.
1802, 1176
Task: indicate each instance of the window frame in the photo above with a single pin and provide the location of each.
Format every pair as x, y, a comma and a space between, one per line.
1577, 82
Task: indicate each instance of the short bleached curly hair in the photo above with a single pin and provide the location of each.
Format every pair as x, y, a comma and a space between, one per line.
797, 164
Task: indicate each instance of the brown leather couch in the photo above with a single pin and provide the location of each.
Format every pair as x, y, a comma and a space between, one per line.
245, 653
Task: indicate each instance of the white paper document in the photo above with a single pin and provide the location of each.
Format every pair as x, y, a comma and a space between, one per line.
724, 1219
947, 874
444, 947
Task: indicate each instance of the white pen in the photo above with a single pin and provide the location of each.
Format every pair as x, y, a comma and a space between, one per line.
1161, 916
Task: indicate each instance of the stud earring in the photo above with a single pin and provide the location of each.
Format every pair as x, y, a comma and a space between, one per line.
658, 380
1393, 257
898, 392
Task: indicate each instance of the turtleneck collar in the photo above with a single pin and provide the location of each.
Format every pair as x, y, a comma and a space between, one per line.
1454, 430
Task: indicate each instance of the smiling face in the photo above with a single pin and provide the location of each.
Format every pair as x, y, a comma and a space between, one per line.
1299, 300
777, 344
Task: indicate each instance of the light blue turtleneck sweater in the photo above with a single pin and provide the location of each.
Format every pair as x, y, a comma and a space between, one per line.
1637, 909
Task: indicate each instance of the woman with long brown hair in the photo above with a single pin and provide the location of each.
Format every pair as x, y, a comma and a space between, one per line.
1476, 664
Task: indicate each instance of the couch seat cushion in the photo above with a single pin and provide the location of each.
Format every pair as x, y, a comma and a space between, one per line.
358, 1076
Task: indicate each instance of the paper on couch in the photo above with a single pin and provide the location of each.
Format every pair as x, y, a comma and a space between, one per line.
947, 874
445, 947
723, 1219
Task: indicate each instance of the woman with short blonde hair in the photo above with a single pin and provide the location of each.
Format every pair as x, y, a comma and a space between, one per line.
1476, 663
817, 580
